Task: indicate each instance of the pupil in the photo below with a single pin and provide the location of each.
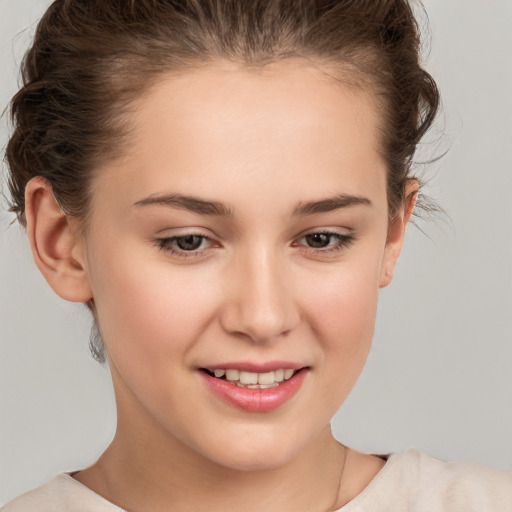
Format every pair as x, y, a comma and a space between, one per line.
189, 243
318, 240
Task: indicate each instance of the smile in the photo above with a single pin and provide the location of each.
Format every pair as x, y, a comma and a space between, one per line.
253, 380
255, 391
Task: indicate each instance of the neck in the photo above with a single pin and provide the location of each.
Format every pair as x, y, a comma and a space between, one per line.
156, 473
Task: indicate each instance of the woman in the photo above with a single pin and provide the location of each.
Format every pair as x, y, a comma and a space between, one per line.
226, 185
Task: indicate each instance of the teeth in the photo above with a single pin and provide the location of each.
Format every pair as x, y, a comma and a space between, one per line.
232, 375
288, 374
265, 378
257, 386
248, 378
255, 380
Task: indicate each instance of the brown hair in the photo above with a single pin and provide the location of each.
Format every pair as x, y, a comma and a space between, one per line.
92, 58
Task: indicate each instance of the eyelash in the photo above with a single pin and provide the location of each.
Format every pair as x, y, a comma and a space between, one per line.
342, 242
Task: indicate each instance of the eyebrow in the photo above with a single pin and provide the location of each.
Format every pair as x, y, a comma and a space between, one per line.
216, 208
330, 204
189, 203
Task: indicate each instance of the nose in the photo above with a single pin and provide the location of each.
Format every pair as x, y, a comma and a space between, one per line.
259, 303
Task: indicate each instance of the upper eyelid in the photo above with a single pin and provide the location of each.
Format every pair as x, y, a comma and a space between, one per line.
326, 230
334, 234
198, 232
183, 231
170, 232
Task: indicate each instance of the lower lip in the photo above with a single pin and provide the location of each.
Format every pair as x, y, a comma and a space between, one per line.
255, 400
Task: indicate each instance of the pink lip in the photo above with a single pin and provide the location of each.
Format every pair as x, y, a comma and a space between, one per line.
248, 366
255, 400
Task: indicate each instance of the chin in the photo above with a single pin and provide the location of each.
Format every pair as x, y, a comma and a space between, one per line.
259, 460
258, 449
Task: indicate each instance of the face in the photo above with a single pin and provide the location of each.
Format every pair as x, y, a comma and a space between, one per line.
244, 231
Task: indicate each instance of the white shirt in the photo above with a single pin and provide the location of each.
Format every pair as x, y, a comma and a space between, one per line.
410, 481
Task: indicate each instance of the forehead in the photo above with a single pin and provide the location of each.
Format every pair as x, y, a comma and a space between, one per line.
288, 126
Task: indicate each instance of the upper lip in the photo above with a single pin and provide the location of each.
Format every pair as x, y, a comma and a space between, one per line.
250, 366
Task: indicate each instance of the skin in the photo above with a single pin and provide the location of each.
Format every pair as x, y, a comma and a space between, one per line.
263, 143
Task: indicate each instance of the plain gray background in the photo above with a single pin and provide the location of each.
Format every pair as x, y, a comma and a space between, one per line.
439, 375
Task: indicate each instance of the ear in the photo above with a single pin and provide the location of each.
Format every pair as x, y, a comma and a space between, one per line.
396, 233
57, 249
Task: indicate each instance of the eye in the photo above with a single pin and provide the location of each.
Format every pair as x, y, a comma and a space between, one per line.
185, 245
189, 242
319, 240
325, 242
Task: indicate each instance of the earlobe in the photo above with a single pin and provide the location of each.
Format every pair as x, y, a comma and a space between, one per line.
56, 248
396, 233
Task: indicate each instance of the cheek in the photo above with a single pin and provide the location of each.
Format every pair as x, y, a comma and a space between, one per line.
343, 305
348, 327
149, 310
341, 311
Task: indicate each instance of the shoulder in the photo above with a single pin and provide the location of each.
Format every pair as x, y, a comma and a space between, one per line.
457, 485
61, 494
411, 480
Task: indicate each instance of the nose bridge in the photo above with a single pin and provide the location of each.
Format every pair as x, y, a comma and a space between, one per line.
261, 305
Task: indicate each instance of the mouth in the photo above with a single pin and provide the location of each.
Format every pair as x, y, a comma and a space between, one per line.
252, 380
241, 384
